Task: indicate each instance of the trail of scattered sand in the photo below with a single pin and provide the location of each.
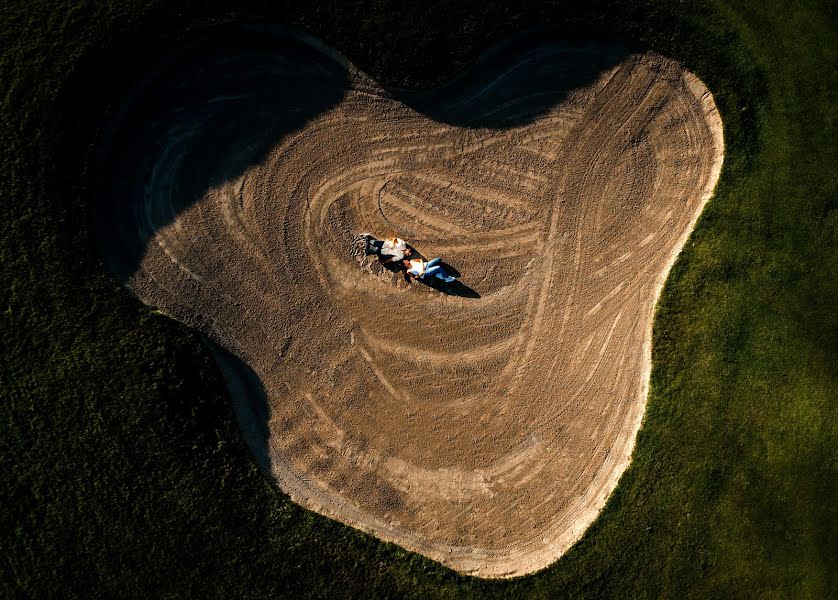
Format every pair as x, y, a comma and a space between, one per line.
483, 430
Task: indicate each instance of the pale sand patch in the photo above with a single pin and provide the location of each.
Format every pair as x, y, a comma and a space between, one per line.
484, 428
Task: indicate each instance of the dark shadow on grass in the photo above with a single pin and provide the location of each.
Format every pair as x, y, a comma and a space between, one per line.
204, 117
516, 81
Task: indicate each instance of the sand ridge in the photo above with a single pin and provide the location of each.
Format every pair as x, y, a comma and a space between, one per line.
485, 427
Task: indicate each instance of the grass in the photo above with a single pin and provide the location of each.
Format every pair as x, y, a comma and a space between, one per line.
124, 473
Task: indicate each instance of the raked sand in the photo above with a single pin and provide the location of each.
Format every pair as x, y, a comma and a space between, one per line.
484, 427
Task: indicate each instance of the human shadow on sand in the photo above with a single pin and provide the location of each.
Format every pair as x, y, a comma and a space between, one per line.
455, 288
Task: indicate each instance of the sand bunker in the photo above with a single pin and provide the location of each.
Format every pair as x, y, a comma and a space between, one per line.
484, 427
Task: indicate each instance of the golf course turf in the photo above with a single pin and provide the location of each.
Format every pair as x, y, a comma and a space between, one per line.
126, 475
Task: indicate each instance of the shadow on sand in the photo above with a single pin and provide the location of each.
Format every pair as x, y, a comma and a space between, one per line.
250, 402
456, 288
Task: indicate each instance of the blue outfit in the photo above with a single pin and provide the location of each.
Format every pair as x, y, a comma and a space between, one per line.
432, 268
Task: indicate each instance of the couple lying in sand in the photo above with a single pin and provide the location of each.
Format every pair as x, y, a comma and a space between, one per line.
397, 250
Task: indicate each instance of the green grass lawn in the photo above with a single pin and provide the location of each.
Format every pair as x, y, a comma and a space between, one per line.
124, 473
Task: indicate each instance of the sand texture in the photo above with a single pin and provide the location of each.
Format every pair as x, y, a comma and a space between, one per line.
482, 425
